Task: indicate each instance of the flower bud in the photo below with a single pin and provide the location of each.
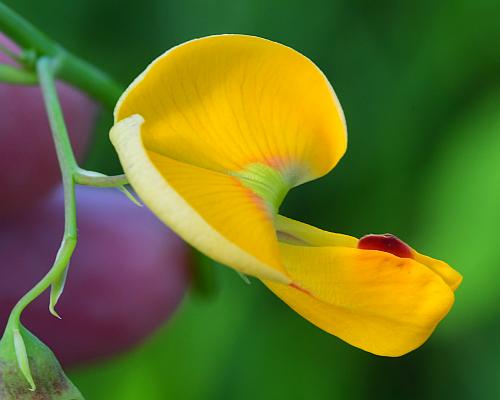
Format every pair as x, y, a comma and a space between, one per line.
24, 359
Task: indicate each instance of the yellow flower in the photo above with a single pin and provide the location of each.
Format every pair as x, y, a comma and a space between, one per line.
212, 136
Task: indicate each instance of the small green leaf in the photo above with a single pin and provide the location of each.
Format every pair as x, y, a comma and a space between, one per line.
129, 195
56, 290
22, 358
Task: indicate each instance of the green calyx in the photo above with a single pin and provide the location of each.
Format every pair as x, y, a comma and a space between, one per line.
29, 370
270, 184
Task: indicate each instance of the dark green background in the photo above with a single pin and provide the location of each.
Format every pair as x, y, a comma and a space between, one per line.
420, 86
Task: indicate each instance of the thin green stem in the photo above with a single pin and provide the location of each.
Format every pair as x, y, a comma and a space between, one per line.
50, 59
71, 68
24, 33
71, 175
92, 178
16, 76
68, 166
46, 71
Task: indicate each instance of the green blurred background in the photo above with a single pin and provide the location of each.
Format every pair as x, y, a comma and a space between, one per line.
420, 86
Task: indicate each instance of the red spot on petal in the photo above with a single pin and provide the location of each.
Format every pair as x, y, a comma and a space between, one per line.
388, 243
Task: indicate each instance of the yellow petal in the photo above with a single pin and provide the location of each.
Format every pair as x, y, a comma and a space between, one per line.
212, 211
225, 102
214, 133
448, 274
373, 300
294, 232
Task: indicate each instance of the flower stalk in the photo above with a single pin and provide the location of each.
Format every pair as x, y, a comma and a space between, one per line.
44, 60
16, 76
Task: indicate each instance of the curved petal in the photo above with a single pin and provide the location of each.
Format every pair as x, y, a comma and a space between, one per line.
294, 232
224, 102
452, 277
373, 300
212, 211
210, 128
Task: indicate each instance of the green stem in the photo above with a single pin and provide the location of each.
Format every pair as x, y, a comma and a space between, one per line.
90, 79
71, 174
51, 59
71, 68
92, 178
68, 166
24, 33
48, 59
65, 156
16, 76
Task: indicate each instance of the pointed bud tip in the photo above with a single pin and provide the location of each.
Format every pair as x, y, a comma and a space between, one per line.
54, 312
